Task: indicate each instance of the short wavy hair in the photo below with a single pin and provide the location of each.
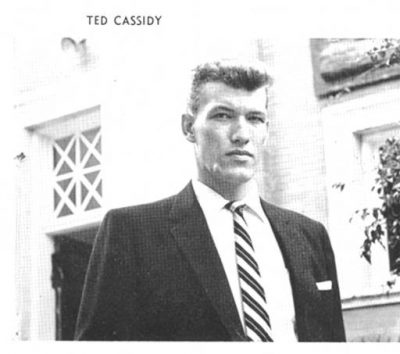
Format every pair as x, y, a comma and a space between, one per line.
249, 76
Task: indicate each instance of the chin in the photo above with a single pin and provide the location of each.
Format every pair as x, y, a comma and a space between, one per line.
237, 176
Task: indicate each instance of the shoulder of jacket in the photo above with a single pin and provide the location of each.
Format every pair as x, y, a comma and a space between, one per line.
293, 216
157, 207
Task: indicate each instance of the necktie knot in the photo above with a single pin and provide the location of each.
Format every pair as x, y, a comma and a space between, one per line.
236, 206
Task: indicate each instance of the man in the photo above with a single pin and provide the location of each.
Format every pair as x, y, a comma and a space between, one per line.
214, 262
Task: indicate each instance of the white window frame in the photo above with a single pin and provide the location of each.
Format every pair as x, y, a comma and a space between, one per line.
344, 122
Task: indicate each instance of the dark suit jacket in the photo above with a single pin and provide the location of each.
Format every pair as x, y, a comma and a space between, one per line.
155, 274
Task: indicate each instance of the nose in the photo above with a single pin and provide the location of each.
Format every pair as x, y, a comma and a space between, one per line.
240, 133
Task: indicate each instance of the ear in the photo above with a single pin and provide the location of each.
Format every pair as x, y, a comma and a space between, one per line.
187, 127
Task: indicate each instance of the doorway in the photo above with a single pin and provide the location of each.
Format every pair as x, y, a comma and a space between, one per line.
69, 264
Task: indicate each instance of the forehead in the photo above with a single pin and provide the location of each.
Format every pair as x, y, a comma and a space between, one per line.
217, 93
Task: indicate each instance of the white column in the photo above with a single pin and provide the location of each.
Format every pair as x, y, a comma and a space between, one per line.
42, 305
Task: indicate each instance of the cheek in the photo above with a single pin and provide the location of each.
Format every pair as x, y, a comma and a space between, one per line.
261, 138
210, 140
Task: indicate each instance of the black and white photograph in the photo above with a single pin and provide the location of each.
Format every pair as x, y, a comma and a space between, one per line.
194, 173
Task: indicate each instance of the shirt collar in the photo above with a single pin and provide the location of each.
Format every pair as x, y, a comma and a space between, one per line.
208, 198
214, 202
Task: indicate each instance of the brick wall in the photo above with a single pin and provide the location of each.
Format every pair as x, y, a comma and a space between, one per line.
294, 169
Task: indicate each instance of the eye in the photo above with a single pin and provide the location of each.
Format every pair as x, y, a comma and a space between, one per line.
222, 115
256, 118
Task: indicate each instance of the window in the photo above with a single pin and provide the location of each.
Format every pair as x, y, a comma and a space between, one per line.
77, 173
370, 143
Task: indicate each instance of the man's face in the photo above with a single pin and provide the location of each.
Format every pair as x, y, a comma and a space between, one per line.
229, 132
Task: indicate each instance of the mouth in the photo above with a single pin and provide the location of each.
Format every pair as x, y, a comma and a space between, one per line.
243, 153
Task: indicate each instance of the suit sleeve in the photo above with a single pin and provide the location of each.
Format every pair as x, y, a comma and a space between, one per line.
100, 316
338, 332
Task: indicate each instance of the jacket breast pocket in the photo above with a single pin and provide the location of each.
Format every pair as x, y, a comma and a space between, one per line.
320, 298
326, 297
324, 305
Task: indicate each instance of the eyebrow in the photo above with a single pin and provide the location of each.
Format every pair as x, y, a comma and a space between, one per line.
258, 112
222, 107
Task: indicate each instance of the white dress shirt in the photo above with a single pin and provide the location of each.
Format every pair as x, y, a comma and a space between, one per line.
275, 277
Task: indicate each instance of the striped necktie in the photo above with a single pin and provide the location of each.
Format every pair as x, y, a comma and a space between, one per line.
257, 322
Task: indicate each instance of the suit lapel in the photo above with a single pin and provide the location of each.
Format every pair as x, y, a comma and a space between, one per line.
293, 247
194, 239
297, 254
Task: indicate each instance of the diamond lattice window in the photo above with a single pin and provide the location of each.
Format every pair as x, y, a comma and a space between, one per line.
77, 172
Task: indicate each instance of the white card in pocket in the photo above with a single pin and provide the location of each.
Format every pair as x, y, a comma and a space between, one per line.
324, 285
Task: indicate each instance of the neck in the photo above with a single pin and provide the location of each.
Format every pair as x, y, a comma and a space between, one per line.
229, 191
